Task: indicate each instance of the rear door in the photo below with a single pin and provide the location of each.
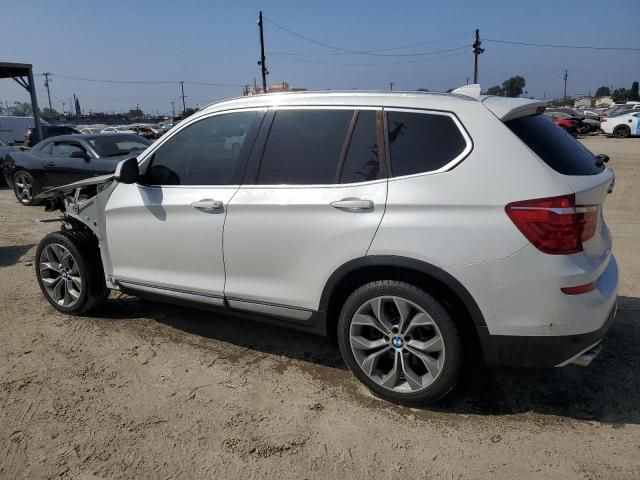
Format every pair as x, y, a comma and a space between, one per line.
311, 201
62, 169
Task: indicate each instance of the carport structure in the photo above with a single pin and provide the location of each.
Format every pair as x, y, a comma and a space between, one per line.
22, 73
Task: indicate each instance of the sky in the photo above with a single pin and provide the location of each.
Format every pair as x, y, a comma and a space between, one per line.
217, 42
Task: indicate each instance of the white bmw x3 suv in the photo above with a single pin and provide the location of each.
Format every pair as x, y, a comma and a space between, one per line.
411, 227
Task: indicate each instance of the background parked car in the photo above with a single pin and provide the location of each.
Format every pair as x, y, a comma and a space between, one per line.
12, 128
4, 149
90, 130
564, 121
118, 129
31, 136
66, 159
621, 125
582, 124
145, 131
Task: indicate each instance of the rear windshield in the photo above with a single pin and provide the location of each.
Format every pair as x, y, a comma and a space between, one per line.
554, 146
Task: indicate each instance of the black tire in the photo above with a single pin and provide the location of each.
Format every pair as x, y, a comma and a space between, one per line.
450, 370
622, 131
25, 198
83, 247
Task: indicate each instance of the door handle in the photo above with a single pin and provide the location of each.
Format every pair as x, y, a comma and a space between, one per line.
208, 205
352, 204
51, 164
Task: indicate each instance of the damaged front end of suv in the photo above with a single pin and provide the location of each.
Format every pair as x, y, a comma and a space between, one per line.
71, 262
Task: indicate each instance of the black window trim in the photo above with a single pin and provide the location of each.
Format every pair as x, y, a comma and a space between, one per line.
445, 168
149, 153
253, 169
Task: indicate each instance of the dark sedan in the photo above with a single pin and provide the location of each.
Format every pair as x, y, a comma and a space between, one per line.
66, 159
4, 150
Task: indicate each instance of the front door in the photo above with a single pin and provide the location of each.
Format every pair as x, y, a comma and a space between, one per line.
166, 232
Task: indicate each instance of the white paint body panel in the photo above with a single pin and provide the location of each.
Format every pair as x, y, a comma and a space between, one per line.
156, 237
282, 243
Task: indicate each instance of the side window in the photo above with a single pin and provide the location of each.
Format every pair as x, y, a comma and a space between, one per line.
362, 163
65, 149
304, 147
204, 153
422, 142
46, 149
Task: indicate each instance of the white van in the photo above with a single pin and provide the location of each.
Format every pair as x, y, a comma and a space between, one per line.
13, 129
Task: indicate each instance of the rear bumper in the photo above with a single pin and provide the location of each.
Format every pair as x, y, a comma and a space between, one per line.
540, 351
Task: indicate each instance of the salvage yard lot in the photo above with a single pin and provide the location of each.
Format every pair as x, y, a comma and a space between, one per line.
143, 389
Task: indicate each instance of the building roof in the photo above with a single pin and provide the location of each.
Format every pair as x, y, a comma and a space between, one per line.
9, 70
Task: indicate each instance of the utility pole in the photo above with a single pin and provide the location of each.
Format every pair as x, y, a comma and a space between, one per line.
263, 66
467, 80
564, 101
46, 84
63, 104
476, 52
184, 105
173, 110
391, 84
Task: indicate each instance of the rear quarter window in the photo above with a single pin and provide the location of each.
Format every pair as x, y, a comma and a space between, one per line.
554, 146
422, 142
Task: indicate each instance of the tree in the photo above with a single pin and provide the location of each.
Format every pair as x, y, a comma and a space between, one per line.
603, 92
495, 90
633, 93
188, 112
21, 109
514, 86
49, 113
135, 113
620, 94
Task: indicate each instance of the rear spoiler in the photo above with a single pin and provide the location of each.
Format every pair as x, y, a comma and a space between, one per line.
506, 108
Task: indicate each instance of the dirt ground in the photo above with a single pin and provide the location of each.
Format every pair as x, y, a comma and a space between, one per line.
145, 390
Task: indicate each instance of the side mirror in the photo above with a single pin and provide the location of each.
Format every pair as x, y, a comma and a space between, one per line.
127, 171
80, 154
601, 159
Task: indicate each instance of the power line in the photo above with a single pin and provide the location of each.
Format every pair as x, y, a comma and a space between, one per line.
585, 47
142, 82
434, 52
355, 52
351, 64
376, 50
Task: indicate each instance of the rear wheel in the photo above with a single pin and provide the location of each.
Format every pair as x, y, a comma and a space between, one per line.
622, 131
24, 187
69, 272
400, 342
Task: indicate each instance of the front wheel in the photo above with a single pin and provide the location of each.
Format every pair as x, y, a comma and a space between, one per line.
69, 271
400, 342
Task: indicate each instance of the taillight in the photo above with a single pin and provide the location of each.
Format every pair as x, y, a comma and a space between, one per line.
555, 225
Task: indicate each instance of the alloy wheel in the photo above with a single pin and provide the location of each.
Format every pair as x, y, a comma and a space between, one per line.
23, 187
60, 275
397, 344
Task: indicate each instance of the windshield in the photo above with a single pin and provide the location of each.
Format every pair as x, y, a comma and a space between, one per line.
117, 145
